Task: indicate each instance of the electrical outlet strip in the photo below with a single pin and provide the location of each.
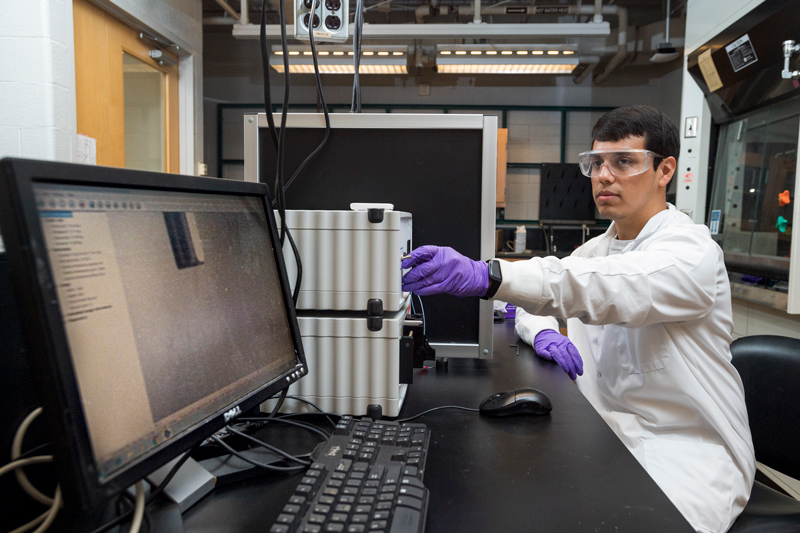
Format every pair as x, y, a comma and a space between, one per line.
331, 20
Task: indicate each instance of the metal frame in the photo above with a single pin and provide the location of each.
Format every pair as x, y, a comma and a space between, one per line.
254, 124
503, 111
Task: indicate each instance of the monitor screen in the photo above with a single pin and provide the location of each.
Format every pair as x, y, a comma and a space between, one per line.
172, 304
440, 168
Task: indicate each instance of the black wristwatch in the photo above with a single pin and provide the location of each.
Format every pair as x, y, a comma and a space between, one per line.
495, 278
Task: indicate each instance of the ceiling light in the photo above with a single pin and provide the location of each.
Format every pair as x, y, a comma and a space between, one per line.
336, 59
505, 59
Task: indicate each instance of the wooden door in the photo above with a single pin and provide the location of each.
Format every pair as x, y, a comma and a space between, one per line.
108, 54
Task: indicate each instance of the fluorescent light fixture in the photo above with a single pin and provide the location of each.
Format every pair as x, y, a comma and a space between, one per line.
506, 59
338, 59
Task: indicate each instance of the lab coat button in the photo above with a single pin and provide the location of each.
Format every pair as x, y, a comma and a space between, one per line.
599, 374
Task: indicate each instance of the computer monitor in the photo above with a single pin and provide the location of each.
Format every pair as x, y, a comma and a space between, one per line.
155, 308
441, 168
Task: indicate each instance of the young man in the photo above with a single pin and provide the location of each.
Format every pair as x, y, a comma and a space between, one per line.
648, 307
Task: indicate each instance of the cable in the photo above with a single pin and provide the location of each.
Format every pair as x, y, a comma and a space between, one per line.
45, 518
321, 411
437, 409
299, 279
16, 464
265, 67
355, 106
270, 447
422, 307
309, 427
278, 405
138, 511
256, 463
319, 147
280, 191
16, 451
153, 494
13, 465
278, 140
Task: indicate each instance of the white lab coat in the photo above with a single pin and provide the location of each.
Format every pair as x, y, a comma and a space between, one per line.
653, 325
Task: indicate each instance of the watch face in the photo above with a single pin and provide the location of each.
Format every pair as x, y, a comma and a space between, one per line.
494, 270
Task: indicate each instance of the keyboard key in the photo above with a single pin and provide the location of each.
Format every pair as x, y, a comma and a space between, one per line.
406, 520
409, 501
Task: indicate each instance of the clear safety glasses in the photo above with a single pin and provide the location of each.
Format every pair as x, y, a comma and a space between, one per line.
618, 162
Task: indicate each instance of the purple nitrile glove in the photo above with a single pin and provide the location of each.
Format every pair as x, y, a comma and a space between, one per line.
436, 269
556, 347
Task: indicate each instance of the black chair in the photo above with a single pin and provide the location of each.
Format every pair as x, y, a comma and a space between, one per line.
770, 369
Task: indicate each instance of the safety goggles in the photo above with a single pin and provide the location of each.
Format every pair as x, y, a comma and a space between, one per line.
618, 162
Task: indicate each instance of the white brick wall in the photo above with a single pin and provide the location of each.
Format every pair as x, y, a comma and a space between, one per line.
37, 80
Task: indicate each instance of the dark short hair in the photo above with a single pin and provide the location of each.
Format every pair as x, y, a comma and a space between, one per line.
659, 132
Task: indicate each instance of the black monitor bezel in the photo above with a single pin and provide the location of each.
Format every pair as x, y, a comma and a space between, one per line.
37, 302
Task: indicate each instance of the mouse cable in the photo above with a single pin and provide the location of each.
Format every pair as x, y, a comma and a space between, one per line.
423, 413
270, 447
258, 464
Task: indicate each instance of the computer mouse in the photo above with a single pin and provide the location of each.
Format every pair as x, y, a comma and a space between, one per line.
525, 401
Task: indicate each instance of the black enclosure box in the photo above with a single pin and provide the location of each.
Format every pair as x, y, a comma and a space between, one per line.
565, 195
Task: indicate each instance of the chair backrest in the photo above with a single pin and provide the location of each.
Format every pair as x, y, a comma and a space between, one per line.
770, 369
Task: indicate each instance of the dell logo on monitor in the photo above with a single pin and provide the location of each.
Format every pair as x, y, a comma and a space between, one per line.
233, 413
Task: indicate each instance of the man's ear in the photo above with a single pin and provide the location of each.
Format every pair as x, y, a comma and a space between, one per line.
667, 170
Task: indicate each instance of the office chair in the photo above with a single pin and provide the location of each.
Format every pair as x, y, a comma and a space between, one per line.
770, 369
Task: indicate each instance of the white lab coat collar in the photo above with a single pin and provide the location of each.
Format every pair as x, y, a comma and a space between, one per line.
651, 227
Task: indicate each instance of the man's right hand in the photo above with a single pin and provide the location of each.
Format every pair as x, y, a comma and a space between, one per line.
554, 346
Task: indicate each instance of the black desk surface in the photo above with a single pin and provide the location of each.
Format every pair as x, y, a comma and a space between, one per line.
563, 472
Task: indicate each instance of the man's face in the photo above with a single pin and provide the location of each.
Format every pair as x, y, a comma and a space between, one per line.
631, 201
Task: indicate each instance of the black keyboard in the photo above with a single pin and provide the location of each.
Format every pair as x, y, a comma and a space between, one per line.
366, 478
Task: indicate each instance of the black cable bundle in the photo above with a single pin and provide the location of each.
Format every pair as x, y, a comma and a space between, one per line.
358, 22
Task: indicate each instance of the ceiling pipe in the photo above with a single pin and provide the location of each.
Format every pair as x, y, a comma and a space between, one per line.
598, 11
622, 43
476, 19
218, 21
245, 12
232, 12
620, 12
590, 62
